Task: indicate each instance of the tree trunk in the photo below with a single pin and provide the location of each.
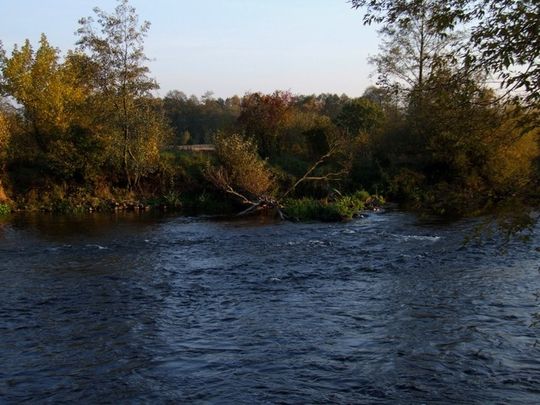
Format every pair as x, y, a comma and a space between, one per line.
126, 157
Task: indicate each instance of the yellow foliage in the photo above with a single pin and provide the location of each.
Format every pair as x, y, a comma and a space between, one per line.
4, 133
47, 89
242, 169
512, 165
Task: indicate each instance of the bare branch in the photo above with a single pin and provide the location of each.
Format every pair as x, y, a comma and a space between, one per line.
329, 177
249, 210
306, 176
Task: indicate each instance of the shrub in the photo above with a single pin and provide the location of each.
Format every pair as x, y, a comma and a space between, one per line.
362, 195
309, 209
241, 168
304, 209
348, 206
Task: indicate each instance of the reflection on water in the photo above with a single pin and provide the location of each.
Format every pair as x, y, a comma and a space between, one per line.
146, 308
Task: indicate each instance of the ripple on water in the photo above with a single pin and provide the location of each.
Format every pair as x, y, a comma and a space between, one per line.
378, 310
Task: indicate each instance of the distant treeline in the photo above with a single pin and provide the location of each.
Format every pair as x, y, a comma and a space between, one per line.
196, 120
84, 131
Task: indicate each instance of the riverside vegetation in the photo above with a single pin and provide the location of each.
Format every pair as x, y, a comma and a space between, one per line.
81, 131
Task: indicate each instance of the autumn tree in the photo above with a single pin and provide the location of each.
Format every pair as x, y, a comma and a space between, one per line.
453, 147
56, 133
243, 174
45, 88
4, 129
263, 117
360, 115
502, 35
4, 135
115, 44
240, 171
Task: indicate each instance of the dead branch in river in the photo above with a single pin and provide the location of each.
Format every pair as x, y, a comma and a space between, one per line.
247, 178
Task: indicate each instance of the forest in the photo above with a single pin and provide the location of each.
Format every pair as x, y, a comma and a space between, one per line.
451, 127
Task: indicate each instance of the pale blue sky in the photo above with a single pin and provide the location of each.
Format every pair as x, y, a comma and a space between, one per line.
225, 46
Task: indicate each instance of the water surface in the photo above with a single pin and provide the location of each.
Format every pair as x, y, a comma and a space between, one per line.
382, 309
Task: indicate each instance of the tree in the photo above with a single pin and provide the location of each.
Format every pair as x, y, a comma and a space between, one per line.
332, 104
243, 174
241, 171
201, 119
116, 48
45, 88
409, 53
4, 135
503, 35
263, 117
360, 115
52, 96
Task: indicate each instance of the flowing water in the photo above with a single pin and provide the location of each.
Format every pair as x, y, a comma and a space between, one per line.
383, 309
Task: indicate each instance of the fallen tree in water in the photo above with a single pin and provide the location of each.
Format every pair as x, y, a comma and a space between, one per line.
246, 177
243, 175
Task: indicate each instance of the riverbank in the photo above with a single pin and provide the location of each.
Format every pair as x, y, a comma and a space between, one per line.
336, 208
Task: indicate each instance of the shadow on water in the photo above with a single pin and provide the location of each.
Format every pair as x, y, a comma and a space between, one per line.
150, 308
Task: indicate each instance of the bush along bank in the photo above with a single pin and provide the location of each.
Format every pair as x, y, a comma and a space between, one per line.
342, 208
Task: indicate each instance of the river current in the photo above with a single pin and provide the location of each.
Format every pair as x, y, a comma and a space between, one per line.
165, 309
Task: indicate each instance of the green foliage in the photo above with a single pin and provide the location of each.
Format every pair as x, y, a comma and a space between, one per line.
290, 164
48, 90
114, 45
196, 121
362, 196
54, 135
432, 134
348, 206
456, 149
5, 135
341, 209
77, 155
5, 209
309, 209
59, 198
360, 115
406, 185
183, 172
503, 34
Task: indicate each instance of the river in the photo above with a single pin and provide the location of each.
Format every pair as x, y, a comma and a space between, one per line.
153, 309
